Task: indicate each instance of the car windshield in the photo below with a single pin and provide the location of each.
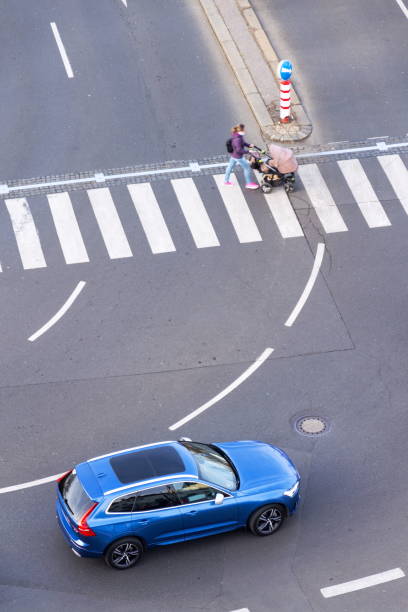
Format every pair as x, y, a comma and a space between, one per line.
74, 495
212, 465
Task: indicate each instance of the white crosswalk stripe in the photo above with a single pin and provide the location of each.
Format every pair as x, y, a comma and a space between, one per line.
67, 227
109, 223
238, 210
151, 218
283, 213
193, 207
321, 199
363, 193
397, 173
28, 241
195, 214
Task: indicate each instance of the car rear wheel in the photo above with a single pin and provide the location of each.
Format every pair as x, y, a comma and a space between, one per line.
124, 554
266, 520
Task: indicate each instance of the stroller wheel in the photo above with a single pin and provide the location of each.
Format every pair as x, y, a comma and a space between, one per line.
289, 187
266, 188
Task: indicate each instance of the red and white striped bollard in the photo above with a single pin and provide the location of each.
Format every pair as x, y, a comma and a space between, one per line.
284, 72
284, 112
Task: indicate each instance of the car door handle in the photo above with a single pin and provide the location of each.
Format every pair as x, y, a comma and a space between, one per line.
143, 522
192, 512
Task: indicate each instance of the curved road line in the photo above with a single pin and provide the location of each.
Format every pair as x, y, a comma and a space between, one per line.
309, 285
32, 483
60, 312
257, 363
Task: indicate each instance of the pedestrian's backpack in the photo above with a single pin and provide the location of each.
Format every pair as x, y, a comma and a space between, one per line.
228, 144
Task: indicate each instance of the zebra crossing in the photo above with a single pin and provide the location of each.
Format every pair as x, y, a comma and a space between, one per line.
144, 202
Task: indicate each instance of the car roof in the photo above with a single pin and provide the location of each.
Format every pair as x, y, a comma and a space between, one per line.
141, 465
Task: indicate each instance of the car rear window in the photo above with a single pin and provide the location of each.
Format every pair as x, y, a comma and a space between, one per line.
145, 464
74, 495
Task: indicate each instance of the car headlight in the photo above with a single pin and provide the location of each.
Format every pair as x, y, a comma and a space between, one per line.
293, 490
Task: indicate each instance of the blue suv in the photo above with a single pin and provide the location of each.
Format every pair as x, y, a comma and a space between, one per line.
118, 505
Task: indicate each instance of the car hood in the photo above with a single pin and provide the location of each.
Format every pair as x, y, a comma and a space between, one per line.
259, 464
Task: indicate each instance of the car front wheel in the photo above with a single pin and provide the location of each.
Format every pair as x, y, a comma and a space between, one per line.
124, 554
267, 520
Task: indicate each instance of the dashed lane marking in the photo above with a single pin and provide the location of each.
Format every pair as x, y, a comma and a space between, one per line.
60, 312
62, 51
252, 368
403, 8
308, 287
362, 583
32, 483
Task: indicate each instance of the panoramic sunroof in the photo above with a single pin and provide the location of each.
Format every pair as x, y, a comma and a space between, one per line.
145, 464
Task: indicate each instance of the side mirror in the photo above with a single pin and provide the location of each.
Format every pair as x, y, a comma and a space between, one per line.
219, 498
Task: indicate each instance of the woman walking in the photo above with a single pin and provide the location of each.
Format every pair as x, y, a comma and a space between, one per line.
237, 157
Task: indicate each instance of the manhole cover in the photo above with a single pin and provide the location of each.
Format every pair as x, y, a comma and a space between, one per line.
311, 425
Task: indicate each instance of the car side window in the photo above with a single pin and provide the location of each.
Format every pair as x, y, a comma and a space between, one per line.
156, 498
123, 504
194, 492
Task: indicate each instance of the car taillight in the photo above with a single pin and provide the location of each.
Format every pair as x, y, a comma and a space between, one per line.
61, 478
83, 527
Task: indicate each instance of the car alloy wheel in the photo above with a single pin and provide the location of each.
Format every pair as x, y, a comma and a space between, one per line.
124, 553
267, 520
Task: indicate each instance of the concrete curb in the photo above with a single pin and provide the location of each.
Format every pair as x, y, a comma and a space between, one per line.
254, 62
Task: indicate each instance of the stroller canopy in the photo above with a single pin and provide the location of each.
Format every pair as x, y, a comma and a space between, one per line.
283, 159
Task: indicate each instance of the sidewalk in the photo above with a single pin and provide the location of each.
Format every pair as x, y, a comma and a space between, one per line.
254, 63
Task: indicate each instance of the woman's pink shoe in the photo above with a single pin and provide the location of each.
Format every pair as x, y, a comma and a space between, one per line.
252, 186
228, 183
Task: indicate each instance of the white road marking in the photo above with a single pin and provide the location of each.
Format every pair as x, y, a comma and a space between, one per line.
379, 145
194, 212
241, 610
238, 210
362, 583
67, 227
151, 218
321, 199
283, 213
62, 51
309, 285
60, 312
32, 483
26, 234
403, 8
125, 2
4, 188
252, 368
363, 193
109, 223
397, 173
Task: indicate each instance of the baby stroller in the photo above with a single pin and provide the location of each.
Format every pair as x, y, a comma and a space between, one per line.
277, 167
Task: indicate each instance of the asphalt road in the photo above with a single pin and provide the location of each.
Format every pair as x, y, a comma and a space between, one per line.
350, 63
154, 336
